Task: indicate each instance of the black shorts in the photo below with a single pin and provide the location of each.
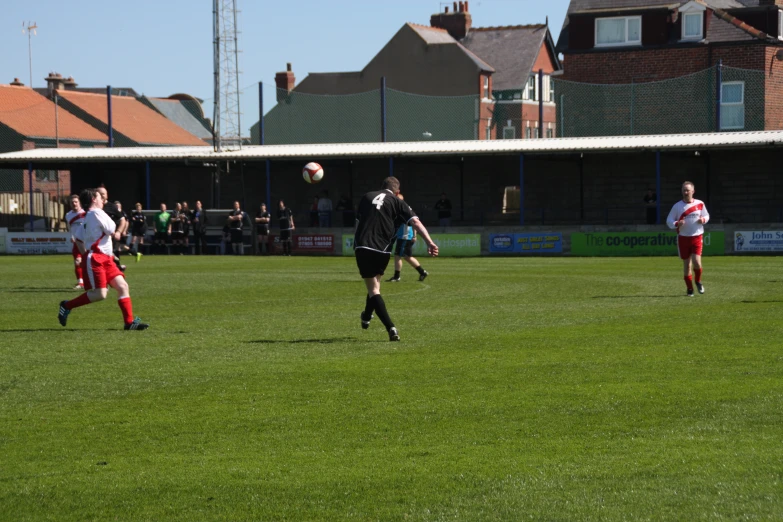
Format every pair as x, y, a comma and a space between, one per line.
139, 232
285, 235
161, 236
236, 235
177, 235
403, 248
371, 263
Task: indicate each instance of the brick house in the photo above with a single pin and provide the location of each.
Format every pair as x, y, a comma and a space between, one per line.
640, 41
493, 70
29, 120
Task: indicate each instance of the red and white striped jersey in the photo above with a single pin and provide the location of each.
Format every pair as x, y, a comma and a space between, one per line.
75, 219
98, 228
690, 212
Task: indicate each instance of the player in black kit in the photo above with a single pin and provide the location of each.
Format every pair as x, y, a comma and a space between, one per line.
379, 215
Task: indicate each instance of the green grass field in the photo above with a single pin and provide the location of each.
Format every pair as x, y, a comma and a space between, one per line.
523, 389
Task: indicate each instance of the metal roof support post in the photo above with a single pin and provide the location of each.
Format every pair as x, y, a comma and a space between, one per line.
261, 113
391, 165
521, 190
147, 179
268, 186
108, 107
658, 187
30, 180
383, 109
718, 93
541, 103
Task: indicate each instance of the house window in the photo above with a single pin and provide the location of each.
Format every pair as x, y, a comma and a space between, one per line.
485, 94
45, 175
732, 105
531, 89
551, 89
692, 26
488, 131
780, 24
528, 133
550, 133
509, 133
618, 31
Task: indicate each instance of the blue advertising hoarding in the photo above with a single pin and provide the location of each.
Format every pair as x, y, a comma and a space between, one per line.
529, 243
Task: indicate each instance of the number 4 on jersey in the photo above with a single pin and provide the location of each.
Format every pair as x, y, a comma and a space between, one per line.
378, 201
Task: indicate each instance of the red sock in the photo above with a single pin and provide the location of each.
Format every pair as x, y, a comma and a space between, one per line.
127, 309
689, 282
78, 301
79, 277
697, 272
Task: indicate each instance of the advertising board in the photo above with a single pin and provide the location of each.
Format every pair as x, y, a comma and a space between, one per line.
38, 243
758, 241
449, 245
639, 244
538, 243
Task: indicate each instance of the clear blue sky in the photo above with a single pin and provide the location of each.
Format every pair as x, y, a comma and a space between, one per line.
164, 47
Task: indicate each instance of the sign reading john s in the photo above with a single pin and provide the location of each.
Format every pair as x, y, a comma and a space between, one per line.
543, 243
639, 244
758, 241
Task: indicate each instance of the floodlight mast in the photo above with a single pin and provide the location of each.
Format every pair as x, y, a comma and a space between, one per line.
227, 115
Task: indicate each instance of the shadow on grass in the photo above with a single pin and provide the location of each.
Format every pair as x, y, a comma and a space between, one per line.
634, 296
328, 340
768, 301
63, 330
44, 290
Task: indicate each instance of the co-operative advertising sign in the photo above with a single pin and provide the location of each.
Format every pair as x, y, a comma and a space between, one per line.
758, 241
449, 245
544, 243
38, 243
639, 244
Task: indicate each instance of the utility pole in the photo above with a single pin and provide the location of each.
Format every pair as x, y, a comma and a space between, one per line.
30, 30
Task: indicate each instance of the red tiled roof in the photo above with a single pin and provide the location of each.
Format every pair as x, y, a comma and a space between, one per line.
32, 115
133, 119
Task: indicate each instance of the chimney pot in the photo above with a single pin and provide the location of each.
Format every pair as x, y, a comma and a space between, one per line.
466, 6
455, 7
288, 67
461, 7
17, 83
447, 9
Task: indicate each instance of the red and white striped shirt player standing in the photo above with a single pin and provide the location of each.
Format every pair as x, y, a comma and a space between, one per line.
75, 220
100, 269
688, 216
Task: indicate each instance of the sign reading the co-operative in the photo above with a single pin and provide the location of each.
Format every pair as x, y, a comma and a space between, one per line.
639, 244
545, 243
758, 241
449, 245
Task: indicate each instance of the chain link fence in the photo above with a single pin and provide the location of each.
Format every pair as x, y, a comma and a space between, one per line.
688, 104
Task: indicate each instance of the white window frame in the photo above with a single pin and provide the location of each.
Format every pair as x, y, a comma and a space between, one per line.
733, 104
551, 97
485, 84
696, 37
488, 131
532, 84
619, 44
780, 24
528, 132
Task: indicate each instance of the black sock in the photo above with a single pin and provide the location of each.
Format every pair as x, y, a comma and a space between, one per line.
420, 270
380, 309
368, 306
396, 274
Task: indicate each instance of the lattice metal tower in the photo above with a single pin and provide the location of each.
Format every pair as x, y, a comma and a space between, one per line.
227, 130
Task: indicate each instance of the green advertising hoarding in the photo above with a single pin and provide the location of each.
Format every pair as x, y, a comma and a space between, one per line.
639, 244
449, 245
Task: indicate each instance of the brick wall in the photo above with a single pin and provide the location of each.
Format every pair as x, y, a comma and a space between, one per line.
58, 188
773, 113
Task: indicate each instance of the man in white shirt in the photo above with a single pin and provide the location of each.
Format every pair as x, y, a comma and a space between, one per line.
688, 217
101, 271
75, 220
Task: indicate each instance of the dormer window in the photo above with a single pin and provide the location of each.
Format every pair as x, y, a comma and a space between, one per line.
625, 30
692, 24
692, 21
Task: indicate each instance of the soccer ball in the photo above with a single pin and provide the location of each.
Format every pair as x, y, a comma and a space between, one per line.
313, 172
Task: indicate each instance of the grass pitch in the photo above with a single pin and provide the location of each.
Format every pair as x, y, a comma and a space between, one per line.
541, 389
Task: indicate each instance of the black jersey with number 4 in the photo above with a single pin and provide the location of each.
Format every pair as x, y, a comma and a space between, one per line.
380, 214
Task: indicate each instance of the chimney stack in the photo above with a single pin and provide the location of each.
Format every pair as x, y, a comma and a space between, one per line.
70, 84
285, 81
17, 83
54, 82
457, 23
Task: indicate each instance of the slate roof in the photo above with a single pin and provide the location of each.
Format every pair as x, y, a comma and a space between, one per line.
132, 118
435, 36
511, 50
175, 111
32, 115
722, 31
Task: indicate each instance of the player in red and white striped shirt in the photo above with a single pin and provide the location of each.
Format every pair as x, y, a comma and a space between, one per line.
101, 271
75, 220
688, 217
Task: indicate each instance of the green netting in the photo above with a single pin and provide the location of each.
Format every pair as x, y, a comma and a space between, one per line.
413, 117
309, 118
680, 105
